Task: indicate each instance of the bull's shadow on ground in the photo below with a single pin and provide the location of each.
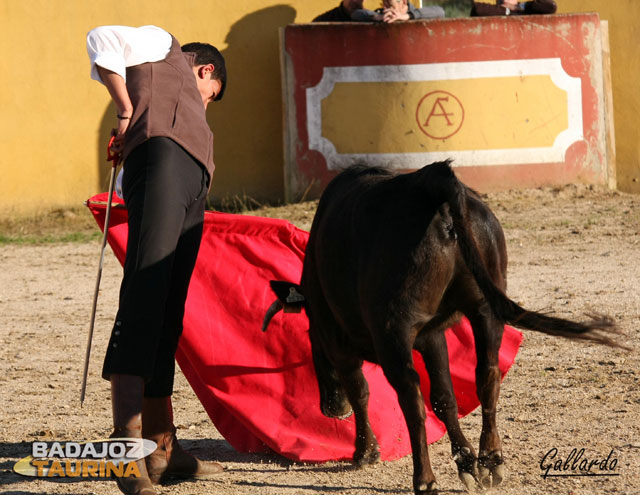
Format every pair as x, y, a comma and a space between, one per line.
207, 449
22, 492
221, 451
331, 489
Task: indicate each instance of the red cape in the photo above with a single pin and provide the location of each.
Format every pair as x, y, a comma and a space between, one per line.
259, 389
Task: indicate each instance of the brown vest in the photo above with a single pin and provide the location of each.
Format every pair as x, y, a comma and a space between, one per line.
167, 103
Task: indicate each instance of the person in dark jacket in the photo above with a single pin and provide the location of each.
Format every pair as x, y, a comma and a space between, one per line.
397, 10
513, 7
161, 92
342, 13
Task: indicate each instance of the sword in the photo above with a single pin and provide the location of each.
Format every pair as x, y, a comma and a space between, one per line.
115, 159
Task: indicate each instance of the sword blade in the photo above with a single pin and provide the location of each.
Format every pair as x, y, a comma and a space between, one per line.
105, 234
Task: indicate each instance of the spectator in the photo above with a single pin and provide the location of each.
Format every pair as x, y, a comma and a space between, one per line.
397, 10
513, 7
342, 13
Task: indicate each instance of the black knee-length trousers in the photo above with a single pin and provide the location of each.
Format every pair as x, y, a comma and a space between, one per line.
165, 193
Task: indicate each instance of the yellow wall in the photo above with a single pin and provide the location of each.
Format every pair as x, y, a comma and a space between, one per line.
624, 35
55, 120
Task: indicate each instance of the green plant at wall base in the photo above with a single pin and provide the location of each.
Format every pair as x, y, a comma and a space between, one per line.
50, 226
73, 237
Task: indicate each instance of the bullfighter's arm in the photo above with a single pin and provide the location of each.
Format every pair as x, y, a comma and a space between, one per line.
118, 90
365, 15
427, 12
482, 9
111, 50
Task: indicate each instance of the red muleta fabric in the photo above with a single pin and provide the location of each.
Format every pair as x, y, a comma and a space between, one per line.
259, 389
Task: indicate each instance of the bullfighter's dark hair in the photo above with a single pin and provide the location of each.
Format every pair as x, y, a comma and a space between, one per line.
209, 54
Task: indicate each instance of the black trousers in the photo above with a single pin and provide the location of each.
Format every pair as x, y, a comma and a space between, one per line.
165, 193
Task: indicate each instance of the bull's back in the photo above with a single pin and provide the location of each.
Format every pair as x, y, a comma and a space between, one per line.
335, 221
368, 225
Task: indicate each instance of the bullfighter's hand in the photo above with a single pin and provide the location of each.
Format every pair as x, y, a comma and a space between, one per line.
118, 143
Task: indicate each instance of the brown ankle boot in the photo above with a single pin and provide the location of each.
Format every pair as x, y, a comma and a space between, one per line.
169, 459
126, 401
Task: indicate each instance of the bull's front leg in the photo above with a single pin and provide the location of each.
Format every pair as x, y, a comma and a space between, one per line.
488, 337
357, 389
397, 364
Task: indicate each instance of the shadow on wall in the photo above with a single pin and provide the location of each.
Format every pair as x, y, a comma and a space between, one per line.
247, 123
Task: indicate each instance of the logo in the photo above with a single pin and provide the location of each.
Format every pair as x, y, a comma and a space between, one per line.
99, 459
440, 114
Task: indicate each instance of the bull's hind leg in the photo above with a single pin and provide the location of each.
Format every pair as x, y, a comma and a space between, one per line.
357, 389
432, 344
488, 337
334, 402
397, 363
343, 387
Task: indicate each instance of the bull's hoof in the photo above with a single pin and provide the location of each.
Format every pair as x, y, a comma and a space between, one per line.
467, 468
342, 411
366, 458
426, 489
469, 482
345, 415
491, 469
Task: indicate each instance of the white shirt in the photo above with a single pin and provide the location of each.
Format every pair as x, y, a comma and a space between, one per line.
117, 47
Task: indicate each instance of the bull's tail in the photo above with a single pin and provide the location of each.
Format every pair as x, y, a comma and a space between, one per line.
599, 329
289, 298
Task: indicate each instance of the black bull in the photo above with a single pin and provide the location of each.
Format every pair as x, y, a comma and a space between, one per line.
391, 262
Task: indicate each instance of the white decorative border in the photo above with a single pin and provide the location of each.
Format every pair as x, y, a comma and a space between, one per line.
443, 72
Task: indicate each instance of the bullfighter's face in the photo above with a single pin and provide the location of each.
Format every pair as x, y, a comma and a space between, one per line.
208, 87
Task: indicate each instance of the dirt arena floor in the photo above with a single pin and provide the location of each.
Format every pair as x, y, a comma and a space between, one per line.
573, 250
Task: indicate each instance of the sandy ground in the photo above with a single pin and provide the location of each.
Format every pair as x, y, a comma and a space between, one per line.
572, 250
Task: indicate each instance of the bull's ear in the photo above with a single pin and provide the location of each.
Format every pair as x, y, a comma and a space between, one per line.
286, 292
